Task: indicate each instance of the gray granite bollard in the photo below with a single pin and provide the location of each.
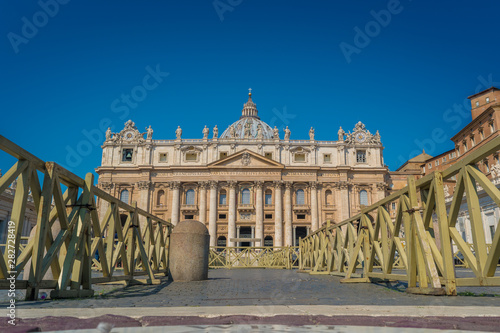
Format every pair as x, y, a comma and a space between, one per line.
189, 246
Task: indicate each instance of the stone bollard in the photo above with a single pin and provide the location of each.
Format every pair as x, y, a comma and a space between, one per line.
189, 246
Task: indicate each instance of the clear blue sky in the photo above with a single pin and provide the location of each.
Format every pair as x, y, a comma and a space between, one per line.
70, 73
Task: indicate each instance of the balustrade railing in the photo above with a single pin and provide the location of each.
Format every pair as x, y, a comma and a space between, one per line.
410, 247
71, 236
285, 257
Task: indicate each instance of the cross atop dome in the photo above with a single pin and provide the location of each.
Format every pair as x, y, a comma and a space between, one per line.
249, 108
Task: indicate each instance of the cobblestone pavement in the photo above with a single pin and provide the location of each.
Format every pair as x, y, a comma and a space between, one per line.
238, 287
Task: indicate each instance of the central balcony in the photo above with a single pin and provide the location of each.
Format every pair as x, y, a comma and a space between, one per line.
189, 208
301, 208
246, 207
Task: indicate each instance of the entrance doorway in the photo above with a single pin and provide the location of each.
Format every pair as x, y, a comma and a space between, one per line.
300, 232
245, 232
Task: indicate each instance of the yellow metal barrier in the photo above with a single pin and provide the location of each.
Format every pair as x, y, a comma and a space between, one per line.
70, 235
254, 257
352, 247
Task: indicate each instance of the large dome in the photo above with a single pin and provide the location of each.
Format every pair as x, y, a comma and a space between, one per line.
249, 126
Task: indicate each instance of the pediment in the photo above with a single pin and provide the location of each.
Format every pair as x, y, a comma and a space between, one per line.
246, 159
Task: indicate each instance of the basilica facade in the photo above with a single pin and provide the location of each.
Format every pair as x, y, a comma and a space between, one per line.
250, 182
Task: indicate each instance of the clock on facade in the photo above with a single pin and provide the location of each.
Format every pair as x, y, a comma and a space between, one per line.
129, 135
361, 137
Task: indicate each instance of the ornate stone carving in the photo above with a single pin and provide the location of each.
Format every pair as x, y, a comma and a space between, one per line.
288, 185
361, 135
245, 159
175, 185
216, 132
495, 170
381, 186
106, 186
258, 183
311, 134
287, 133
343, 185
341, 134
205, 132
276, 133
278, 183
213, 184
313, 185
203, 185
232, 184
143, 185
149, 132
178, 133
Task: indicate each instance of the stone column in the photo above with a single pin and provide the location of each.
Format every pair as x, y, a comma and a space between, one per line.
314, 206
344, 197
175, 186
212, 219
144, 187
278, 214
238, 235
231, 224
259, 213
252, 235
203, 202
288, 214
294, 235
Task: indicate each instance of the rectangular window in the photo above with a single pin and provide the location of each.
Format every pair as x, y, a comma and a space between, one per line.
481, 135
465, 146
361, 156
430, 165
268, 199
492, 127
163, 157
268, 216
222, 199
301, 216
268, 155
436, 162
486, 166
472, 141
300, 157
444, 159
191, 156
127, 155
327, 158
393, 206
222, 155
189, 217
222, 216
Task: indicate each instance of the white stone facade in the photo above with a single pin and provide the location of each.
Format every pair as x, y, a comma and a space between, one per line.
248, 183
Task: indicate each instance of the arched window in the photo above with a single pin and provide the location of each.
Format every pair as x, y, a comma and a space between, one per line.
190, 197
245, 196
124, 196
328, 198
159, 198
222, 197
300, 200
363, 198
268, 199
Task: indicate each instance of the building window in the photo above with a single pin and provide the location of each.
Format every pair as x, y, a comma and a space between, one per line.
436, 162
222, 216
363, 198
481, 134
486, 166
268, 216
190, 197
477, 104
300, 157
188, 217
245, 196
300, 198
361, 156
160, 197
487, 99
301, 216
452, 155
222, 197
444, 159
127, 155
328, 198
191, 156
268, 155
268, 241
222, 155
393, 206
124, 196
472, 141
465, 146
221, 241
492, 127
268, 197
163, 157
430, 165
327, 158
